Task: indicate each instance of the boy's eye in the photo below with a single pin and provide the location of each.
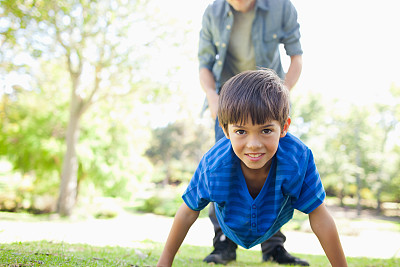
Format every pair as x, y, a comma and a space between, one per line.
240, 132
266, 131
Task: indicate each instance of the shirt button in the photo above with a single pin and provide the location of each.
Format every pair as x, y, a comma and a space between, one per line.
230, 13
223, 45
228, 27
274, 36
217, 43
219, 62
253, 215
254, 206
254, 225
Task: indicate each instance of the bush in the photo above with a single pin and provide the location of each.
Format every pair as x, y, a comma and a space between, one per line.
165, 206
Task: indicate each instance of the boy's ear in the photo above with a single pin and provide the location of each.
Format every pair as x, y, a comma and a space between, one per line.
286, 127
225, 132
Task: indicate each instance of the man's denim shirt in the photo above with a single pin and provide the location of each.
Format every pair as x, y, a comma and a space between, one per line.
275, 22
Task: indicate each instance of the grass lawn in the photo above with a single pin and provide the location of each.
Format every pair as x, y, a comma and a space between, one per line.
146, 254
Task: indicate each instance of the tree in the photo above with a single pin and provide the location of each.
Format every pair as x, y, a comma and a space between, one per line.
386, 120
386, 123
104, 46
92, 38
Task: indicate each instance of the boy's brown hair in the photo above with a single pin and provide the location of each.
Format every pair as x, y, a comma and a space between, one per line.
259, 94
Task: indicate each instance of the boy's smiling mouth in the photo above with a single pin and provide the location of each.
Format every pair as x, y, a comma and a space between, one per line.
254, 156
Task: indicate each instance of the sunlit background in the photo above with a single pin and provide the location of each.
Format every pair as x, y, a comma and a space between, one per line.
351, 52
351, 49
143, 134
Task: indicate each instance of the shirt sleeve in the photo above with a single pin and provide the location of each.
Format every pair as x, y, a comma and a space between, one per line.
291, 30
207, 50
312, 192
197, 195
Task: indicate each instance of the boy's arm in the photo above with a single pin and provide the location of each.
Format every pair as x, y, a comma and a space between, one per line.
184, 219
324, 228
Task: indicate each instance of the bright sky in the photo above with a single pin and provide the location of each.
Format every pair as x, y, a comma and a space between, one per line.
351, 49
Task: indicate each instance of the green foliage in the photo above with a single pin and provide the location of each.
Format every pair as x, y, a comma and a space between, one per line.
160, 200
161, 206
164, 200
176, 149
32, 137
106, 214
391, 189
308, 117
349, 143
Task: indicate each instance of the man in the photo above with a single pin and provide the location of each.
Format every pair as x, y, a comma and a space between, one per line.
240, 35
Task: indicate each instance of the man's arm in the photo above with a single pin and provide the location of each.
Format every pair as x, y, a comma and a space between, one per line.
324, 228
184, 219
294, 71
208, 84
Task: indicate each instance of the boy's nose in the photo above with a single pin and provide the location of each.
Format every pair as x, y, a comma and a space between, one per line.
254, 143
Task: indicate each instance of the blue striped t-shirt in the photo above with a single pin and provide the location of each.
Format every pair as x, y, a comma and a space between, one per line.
293, 182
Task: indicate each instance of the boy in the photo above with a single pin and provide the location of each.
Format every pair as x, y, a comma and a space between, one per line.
258, 174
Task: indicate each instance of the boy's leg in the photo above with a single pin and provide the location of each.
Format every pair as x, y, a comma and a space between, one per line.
224, 248
276, 240
273, 250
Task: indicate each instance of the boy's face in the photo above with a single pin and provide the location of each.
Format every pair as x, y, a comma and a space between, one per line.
255, 145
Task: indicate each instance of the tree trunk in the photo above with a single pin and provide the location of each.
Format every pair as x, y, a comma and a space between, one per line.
381, 168
69, 174
358, 178
167, 179
341, 196
379, 201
